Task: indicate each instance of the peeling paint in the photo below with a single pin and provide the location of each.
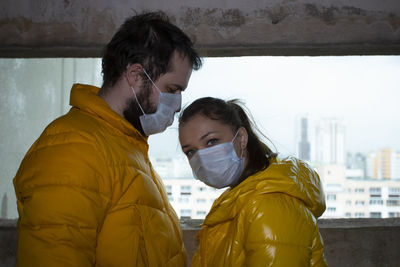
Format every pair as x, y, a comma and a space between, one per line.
330, 15
354, 11
66, 3
326, 14
22, 24
192, 17
226, 18
278, 14
232, 18
394, 21
76, 24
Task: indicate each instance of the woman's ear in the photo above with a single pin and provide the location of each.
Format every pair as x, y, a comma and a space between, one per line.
243, 137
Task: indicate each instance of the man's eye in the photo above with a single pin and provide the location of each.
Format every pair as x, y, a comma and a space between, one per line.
171, 91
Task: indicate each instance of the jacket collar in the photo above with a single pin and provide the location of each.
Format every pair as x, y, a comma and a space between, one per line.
289, 176
84, 97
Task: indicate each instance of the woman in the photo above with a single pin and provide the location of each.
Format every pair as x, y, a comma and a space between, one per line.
267, 216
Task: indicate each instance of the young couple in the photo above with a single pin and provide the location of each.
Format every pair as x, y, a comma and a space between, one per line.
87, 194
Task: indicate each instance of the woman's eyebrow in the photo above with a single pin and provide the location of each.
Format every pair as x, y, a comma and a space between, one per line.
207, 134
201, 138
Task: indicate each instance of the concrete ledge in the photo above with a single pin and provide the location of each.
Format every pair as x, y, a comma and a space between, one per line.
355, 49
8, 244
75, 28
348, 242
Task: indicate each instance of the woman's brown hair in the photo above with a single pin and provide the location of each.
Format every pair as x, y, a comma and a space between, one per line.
233, 113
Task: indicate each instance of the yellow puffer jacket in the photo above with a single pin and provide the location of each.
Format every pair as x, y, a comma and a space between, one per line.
267, 220
88, 195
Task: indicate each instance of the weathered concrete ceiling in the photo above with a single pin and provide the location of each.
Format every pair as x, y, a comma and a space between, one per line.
72, 28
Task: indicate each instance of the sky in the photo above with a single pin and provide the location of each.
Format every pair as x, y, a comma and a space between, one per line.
363, 91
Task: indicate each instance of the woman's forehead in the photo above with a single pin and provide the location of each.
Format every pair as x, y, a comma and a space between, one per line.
199, 125
200, 121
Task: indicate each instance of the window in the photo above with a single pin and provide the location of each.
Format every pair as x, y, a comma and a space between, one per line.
394, 214
360, 203
28, 116
168, 188
348, 202
331, 209
186, 213
348, 215
375, 192
359, 215
186, 190
393, 202
331, 197
184, 199
201, 200
376, 202
394, 192
375, 215
201, 213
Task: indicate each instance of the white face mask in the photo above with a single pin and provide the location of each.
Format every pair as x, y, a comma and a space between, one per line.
168, 105
218, 166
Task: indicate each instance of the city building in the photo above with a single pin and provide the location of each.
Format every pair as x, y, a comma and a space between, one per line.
4, 207
303, 145
358, 198
383, 165
348, 193
189, 197
329, 141
356, 165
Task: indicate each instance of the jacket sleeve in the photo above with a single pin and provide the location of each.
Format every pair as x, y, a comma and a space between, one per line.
62, 198
317, 258
277, 233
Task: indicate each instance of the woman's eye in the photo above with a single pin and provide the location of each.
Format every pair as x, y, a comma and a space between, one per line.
189, 153
212, 141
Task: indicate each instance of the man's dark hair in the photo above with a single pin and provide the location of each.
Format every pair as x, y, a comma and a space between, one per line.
150, 40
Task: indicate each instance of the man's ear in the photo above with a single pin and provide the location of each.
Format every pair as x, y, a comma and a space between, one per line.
133, 74
244, 137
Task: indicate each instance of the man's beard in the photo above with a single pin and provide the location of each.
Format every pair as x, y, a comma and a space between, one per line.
132, 111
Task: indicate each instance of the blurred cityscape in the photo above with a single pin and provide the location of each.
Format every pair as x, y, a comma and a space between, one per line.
356, 185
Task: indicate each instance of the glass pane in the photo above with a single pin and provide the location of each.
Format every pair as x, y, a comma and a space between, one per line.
299, 103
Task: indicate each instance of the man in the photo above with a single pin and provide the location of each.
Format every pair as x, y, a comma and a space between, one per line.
86, 191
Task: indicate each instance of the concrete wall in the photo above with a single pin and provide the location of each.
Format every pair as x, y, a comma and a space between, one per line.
73, 28
348, 242
8, 242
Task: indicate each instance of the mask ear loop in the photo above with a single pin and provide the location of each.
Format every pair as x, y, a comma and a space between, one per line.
137, 101
237, 132
235, 135
144, 71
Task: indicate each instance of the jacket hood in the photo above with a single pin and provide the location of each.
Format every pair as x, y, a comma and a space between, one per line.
84, 97
289, 176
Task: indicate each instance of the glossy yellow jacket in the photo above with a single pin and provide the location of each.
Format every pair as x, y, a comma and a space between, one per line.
88, 196
267, 220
